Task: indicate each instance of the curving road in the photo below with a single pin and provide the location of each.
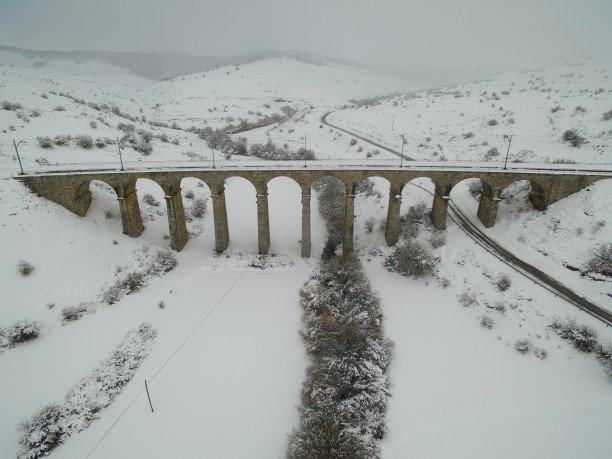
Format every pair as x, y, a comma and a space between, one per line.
372, 142
526, 269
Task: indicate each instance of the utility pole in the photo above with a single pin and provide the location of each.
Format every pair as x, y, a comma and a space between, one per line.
213, 153
392, 123
16, 144
305, 150
402, 154
509, 139
120, 157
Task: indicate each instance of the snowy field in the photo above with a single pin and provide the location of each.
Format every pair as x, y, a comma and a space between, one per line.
226, 368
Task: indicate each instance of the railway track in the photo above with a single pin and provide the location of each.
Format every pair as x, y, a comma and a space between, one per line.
528, 270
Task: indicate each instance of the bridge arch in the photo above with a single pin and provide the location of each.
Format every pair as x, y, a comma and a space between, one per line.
285, 201
103, 201
241, 195
196, 198
375, 204
333, 195
152, 205
426, 189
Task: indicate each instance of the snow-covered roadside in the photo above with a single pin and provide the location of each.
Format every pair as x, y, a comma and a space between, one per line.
559, 240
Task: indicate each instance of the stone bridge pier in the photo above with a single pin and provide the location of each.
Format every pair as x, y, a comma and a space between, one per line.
71, 190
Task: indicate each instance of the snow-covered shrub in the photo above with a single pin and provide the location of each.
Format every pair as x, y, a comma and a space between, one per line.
493, 122
126, 127
467, 298
288, 111
438, 239
411, 258
468, 135
149, 199
52, 425
607, 116
475, 188
419, 213
600, 261
353, 142
143, 147
12, 106
573, 137
44, 142
189, 194
499, 306
367, 188
198, 208
23, 116
20, 332
540, 353
487, 322
24, 268
503, 282
73, 313
132, 282
93, 124
491, 153
369, 225
582, 336
604, 355
84, 141
344, 397
42, 432
522, 346
164, 261
59, 108
61, 140
99, 143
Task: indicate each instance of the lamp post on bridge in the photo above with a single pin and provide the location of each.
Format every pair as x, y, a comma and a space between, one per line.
402, 153
120, 156
16, 144
509, 139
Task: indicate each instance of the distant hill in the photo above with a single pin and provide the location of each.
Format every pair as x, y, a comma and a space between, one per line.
157, 66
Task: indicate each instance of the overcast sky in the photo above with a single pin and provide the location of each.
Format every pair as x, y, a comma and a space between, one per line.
431, 32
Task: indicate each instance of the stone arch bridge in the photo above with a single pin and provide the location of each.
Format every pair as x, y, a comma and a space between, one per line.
71, 190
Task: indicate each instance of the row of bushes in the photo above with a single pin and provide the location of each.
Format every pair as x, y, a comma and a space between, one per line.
585, 339
344, 397
162, 262
331, 195
53, 424
220, 140
265, 120
83, 141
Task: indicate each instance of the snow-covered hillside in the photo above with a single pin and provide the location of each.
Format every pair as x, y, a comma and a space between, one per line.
465, 122
63, 98
226, 368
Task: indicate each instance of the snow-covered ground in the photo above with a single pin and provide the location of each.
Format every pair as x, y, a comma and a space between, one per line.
231, 389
